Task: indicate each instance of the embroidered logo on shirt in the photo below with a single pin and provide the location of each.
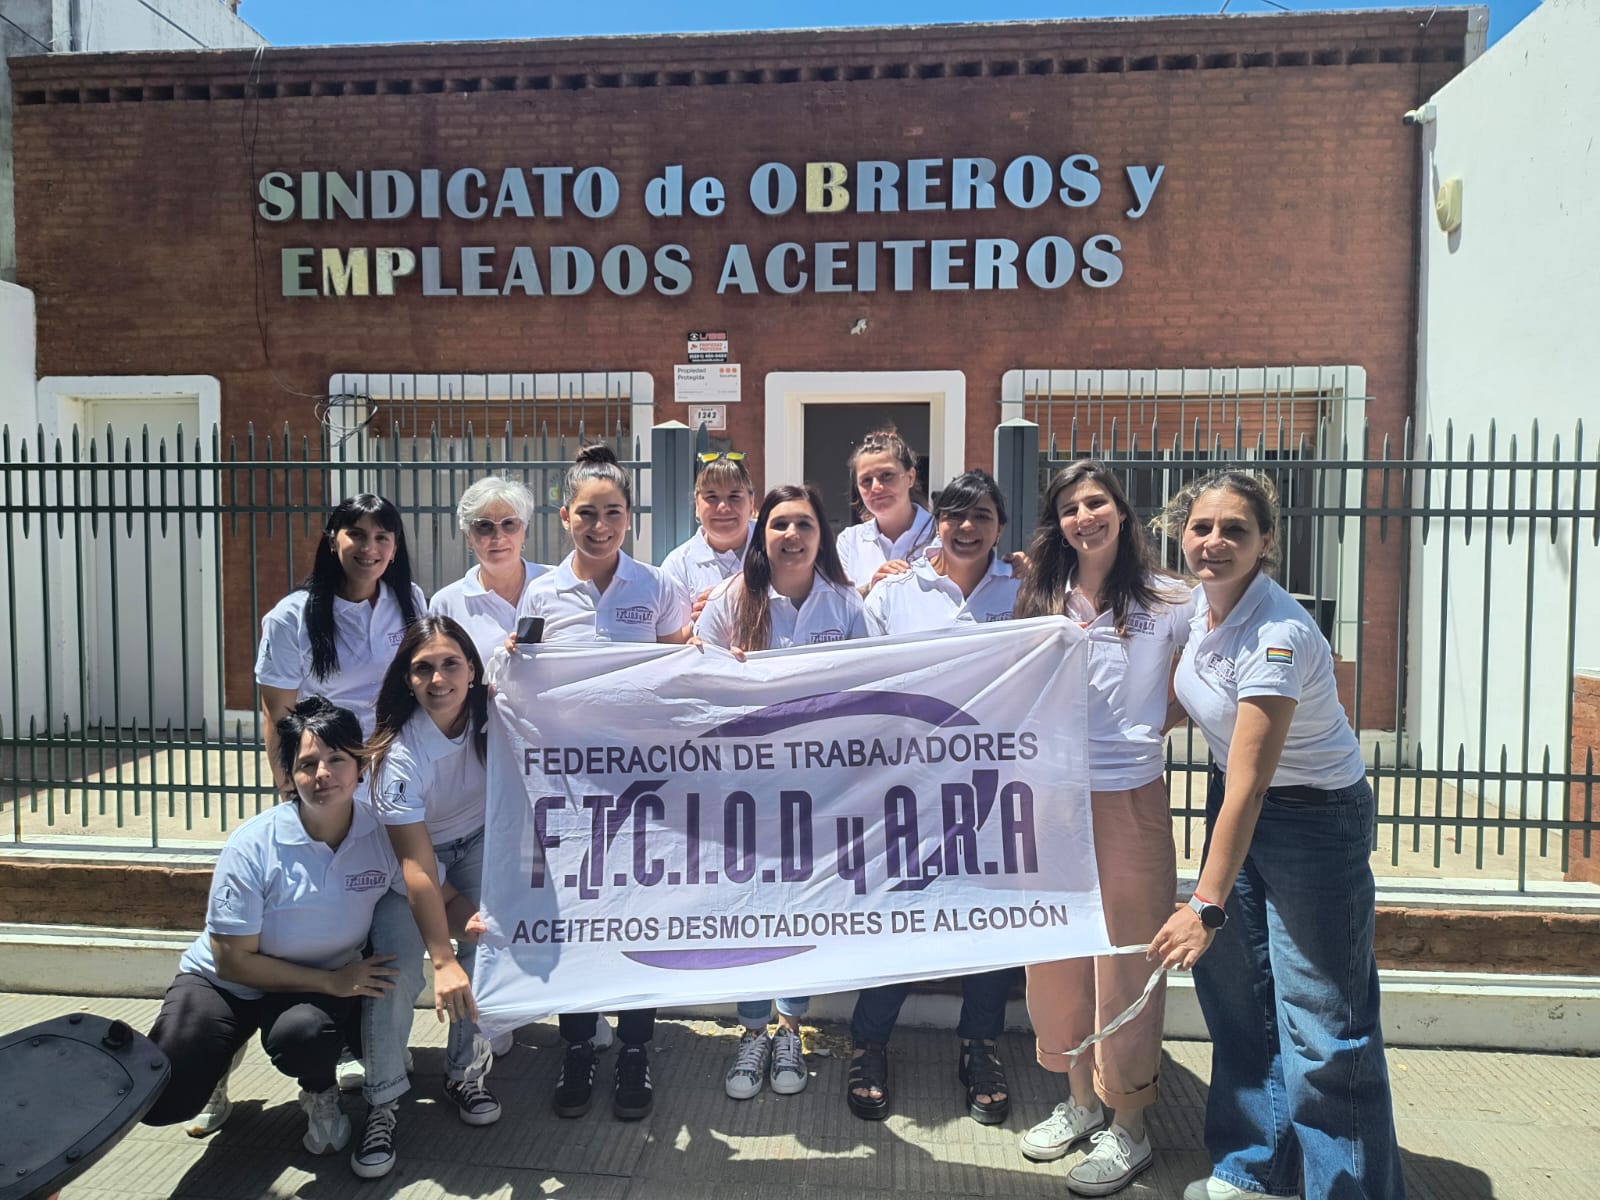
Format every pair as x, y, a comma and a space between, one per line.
393, 797
1140, 623
996, 616
226, 899
1222, 668
637, 614
1280, 654
395, 636
366, 881
827, 635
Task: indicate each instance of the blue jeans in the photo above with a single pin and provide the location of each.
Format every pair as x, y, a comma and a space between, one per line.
756, 1013
1299, 1088
386, 1020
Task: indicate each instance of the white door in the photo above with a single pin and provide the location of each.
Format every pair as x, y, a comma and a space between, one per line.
146, 571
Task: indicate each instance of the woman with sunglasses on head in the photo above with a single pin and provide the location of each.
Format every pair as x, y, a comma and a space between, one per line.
790, 592
897, 529
494, 513
1091, 561
966, 583
429, 790
724, 496
600, 593
291, 903
1279, 932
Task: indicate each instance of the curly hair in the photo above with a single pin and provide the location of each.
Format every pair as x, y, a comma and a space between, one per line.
1255, 489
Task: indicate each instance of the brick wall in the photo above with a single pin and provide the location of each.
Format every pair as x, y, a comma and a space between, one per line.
1583, 801
1283, 232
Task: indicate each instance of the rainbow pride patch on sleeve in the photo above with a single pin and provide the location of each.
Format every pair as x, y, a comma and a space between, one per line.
1280, 654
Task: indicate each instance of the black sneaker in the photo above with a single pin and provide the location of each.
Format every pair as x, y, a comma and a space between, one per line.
575, 1088
633, 1098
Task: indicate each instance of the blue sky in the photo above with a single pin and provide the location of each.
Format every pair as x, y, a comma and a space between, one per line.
317, 22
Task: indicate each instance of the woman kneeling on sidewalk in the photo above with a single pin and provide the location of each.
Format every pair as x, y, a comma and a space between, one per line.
291, 905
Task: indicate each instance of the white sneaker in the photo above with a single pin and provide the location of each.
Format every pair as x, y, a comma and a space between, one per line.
1113, 1160
327, 1129
1064, 1128
350, 1072
749, 1070
375, 1157
788, 1063
1212, 1188
210, 1118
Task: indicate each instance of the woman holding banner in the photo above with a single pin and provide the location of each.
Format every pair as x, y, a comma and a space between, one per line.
429, 790
724, 495
1091, 562
1279, 932
883, 473
791, 592
965, 583
600, 593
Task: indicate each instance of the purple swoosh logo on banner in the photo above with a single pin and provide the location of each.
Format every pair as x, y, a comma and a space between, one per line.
913, 705
711, 960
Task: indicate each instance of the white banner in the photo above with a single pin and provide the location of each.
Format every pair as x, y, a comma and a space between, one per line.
671, 826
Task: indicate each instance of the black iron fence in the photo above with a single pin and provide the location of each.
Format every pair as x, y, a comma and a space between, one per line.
1448, 572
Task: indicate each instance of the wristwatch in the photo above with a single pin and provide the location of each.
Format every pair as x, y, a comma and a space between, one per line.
1212, 916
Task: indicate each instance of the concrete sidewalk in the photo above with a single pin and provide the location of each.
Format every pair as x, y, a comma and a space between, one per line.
1473, 1125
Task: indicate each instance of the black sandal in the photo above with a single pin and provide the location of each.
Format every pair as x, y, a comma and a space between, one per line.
984, 1075
869, 1071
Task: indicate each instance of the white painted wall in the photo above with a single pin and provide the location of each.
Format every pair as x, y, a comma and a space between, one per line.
44, 26
1508, 306
17, 415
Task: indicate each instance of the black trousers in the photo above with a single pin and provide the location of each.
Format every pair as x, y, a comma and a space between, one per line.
634, 1027
201, 1027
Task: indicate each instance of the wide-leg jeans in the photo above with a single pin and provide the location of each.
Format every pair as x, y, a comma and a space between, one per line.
1289, 988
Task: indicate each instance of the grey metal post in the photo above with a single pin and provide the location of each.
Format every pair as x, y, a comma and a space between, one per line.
1016, 470
671, 487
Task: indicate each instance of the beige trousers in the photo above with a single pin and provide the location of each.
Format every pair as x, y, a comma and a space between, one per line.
1069, 1000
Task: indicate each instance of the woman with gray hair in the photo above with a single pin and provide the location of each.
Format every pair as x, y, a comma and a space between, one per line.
494, 514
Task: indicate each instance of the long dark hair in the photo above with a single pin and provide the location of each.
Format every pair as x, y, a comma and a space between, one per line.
397, 703
326, 575
1044, 591
752, 626
336, 728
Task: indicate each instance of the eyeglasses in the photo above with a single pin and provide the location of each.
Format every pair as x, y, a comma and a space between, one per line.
711, 456
485, 528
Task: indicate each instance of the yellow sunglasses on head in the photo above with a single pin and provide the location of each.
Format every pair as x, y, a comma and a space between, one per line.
711, 456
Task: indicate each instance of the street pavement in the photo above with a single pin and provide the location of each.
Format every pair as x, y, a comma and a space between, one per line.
1473, 1125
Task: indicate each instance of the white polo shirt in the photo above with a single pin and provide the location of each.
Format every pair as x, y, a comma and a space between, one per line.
697, 565
922, 599
482, 613
1268, 646
829, 613
1128, 689
640, 604
862, 549
427, 776
364, 634
310, 904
